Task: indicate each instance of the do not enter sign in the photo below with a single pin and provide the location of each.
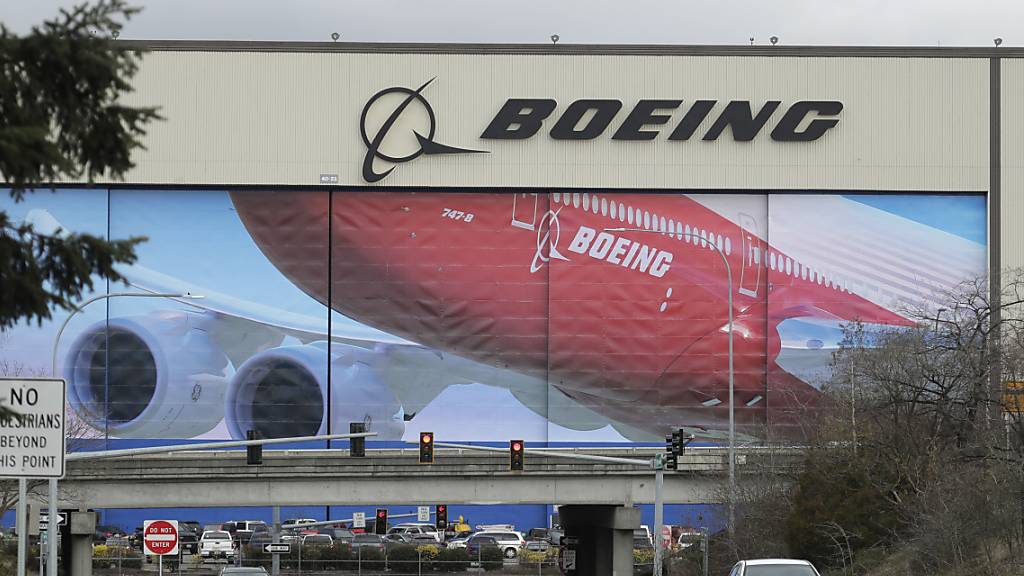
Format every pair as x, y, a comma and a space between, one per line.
160, 537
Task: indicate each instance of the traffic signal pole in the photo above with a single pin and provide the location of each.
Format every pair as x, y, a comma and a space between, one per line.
552, 454
275, 562
659, 517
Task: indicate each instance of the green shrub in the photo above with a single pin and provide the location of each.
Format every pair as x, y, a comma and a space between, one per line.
372, 559
403, 559
532, 557
491, 558
254, 556
338, 556
643, 555
454, 560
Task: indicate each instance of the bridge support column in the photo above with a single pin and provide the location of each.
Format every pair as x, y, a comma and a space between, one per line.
603, 537
83, 527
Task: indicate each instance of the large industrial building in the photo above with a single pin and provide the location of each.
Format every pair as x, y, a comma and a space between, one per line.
536, 242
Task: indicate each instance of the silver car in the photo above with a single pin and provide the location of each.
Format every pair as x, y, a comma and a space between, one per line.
414, 529
774, 567
511, 543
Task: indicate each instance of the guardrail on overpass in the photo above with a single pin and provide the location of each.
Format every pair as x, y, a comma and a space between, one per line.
332, 477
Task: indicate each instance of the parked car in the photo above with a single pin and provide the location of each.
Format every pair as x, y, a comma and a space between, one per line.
369, 541
395, 539
419, 539
511, 543
459, 540
215, 544
641, 542
259, 538
476, 544
117, 542
774, 567
317, 540
343, 535
242, 530
294, 522
103, 532
188, 539
416, 528
644, 533
538, 539
244, 571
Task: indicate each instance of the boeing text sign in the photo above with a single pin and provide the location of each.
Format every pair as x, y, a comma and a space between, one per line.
32, 438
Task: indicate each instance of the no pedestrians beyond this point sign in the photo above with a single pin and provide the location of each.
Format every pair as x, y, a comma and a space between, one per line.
160, 537
32, 439
277, 548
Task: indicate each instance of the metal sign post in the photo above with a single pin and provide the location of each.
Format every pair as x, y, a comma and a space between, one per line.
275, 562
160, 538
659, 522
35, 443
22, 522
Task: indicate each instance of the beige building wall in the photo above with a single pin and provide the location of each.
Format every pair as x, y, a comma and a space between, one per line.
285, 118
1012, 162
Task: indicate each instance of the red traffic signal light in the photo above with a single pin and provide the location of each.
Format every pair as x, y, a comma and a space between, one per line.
426, 447
380, 523
442, 516
515, 454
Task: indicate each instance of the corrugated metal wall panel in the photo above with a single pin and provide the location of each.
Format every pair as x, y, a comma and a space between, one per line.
1012, 142
286, 118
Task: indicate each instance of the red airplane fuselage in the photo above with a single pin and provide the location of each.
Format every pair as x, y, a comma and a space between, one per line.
632, 324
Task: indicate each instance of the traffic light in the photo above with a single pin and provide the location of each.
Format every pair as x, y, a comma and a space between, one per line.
673, 449
426, 447
441, 513
380, 522
357, 446
253, 454
515, 454
670, 456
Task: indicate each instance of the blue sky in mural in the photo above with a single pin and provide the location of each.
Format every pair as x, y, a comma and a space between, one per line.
959, 214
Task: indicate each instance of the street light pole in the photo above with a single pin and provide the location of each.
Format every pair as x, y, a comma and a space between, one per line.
51, 541
732, 387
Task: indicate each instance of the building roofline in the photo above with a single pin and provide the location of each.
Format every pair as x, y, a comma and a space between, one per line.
547, 49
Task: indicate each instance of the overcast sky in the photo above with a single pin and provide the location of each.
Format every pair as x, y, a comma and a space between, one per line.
795, 22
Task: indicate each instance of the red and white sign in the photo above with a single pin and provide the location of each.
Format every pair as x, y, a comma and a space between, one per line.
160, 537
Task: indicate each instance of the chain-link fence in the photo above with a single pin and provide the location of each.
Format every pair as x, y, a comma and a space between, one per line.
336, 559
398, 560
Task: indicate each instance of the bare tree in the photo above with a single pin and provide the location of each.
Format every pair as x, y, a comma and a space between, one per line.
934, 404
77, 434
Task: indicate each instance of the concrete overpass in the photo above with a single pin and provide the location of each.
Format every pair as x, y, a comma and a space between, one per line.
332, 477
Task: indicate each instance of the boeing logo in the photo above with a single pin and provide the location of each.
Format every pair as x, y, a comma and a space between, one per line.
598, 245
398, 124
621, 251
549, 231
425, 144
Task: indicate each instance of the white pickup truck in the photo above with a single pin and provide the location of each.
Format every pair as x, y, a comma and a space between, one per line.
216, 544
